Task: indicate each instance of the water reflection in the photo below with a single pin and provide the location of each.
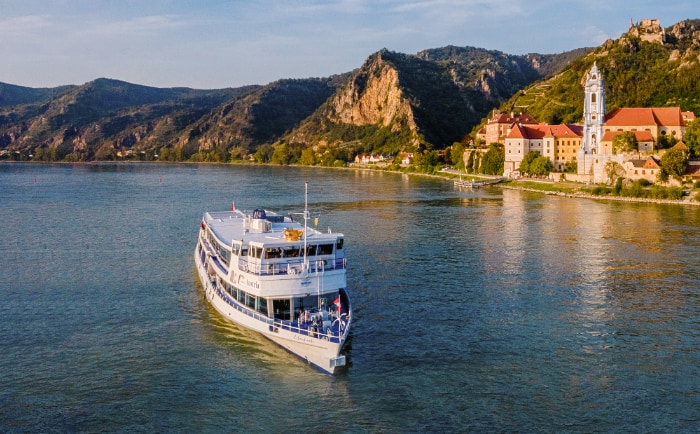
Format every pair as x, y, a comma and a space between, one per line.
484, 310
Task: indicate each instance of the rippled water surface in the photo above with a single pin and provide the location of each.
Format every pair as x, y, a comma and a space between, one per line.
487, 310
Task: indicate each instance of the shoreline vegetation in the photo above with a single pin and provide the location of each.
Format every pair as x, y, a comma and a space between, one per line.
636, 192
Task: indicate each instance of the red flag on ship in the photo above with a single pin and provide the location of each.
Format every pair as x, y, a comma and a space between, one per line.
337, 303
233, 206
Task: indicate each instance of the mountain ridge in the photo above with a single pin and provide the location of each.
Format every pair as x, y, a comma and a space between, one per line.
393, 102
102, 118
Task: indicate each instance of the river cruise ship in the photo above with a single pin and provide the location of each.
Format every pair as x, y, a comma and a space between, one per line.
278, 276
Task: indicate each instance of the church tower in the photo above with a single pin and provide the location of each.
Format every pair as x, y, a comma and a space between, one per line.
593, 118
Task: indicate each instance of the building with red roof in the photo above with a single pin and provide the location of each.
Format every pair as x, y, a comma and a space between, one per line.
560, 143
642, 168
692, 172
500, 124
657, 121
688, 117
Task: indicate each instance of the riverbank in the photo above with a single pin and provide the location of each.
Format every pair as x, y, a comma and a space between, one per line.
687, 200
569, 189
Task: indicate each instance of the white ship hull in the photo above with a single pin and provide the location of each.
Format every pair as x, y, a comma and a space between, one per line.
318, 351
279, 278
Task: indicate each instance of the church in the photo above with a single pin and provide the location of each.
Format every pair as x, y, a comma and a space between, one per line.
589, 146
600, 129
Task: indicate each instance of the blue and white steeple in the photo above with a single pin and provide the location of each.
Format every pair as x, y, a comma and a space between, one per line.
593, 111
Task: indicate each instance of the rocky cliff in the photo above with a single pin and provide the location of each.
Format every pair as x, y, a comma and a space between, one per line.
397, 101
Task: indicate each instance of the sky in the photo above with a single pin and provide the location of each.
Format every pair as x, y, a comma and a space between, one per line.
211, 44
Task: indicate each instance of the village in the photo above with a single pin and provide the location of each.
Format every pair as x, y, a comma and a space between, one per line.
589, 147
586, 152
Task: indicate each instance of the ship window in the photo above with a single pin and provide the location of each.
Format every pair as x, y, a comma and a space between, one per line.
281, 309
256, 251
250, 301
311, 250
261, 305
273, 253
339, 244
325, 249
291, 252
224, 255
244, 251
241, 296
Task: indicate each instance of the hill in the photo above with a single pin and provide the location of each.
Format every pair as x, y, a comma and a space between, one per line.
80, 122
241, 125
397, 101
646, 67
392, 102
12, 95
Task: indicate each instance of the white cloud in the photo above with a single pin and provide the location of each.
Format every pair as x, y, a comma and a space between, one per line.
216, 43
24, 25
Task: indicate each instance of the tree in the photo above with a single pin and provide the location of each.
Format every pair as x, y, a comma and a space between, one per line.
328, 155
264, 153
470, 162
281, 155
221, 153
692, 137
666, 141
541, 166
457, 155
426, 161
494, 159
527, 160
46, 154
237, 153
673, 164
308, 157
618, 186
571, 167
625, 142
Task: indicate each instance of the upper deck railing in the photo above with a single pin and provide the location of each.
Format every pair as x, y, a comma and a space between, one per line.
290, 266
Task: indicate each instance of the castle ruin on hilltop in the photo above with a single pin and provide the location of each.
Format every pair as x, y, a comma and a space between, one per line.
647, 30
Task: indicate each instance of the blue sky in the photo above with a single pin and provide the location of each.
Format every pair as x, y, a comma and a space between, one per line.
215, 43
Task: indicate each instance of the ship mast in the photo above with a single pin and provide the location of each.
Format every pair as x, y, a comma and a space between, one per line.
306, 217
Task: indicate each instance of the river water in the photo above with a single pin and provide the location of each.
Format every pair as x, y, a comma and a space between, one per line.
475, 311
